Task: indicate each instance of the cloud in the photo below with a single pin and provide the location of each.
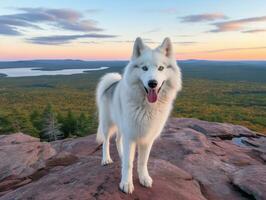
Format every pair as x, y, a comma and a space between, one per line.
228, 49
64, 39
236, 25
7, 30
186, 43
83, 25
90, 42
120, 41
45, 14
65, 19
152, 30
235, 49
202, 17
10, 26
255, 31
149, 41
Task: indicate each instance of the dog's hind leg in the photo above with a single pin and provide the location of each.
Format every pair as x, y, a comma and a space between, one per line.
106, 158
119, 145
105, 131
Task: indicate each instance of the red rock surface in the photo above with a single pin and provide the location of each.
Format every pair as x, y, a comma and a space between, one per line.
252, 180
192, 159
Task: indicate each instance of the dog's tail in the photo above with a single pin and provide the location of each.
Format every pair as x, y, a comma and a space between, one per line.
106, 82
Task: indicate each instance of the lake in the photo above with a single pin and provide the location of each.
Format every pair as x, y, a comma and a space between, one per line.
23, 72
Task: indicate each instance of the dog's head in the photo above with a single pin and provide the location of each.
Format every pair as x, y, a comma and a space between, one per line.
153, 69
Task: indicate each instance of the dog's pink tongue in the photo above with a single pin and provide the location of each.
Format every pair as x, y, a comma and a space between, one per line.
152, 96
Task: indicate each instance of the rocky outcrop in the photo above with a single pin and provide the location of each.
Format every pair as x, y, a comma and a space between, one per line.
251, 179
21, 156
192, 159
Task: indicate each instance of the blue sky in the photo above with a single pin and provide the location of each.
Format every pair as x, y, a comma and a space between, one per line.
73, 28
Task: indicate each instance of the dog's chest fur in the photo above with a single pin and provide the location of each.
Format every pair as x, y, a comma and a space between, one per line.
133, 114
148, 120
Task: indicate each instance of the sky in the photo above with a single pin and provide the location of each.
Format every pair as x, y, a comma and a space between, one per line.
106, 30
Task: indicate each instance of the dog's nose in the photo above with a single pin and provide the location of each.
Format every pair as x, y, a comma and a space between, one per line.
152, 83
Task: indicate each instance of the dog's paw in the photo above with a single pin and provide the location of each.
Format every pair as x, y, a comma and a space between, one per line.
107, 161
146, 181
126, 187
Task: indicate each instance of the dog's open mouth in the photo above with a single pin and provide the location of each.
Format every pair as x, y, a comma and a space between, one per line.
152, 94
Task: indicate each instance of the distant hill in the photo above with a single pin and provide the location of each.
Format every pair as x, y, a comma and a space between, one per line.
61, 64
254, 71
211, 63
2, 75
73, 64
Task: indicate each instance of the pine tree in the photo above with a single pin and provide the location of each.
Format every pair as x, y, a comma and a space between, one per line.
50, 126
5, 125
36, 120
20, 123
69, 125
83, 125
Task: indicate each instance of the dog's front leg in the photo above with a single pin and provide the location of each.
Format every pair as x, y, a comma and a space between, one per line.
126, 184
143, 156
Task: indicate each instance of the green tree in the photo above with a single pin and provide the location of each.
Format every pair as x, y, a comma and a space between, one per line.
36, 120
20, 123
69, 124
5, 125
83, 125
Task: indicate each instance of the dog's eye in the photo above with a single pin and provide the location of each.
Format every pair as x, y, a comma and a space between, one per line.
161, 68
145, 68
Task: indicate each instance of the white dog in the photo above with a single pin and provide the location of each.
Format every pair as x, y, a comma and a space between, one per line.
136, 106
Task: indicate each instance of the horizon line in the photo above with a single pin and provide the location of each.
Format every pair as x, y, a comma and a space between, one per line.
113, 60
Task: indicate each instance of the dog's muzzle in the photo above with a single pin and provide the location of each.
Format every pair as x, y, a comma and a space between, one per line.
152, 93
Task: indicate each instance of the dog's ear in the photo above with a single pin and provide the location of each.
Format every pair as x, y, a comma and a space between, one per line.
166, 47
138, 48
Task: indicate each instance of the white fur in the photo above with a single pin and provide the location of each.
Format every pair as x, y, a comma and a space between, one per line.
127, 112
